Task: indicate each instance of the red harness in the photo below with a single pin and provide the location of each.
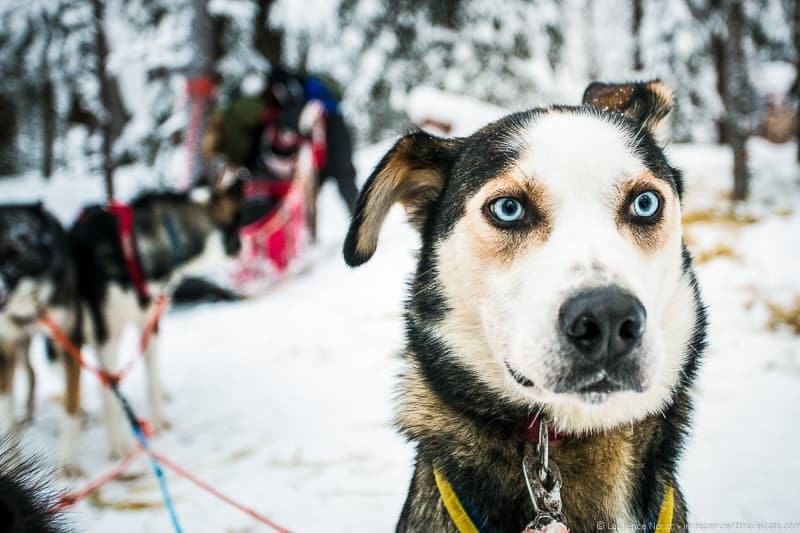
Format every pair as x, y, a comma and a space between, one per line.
124, 216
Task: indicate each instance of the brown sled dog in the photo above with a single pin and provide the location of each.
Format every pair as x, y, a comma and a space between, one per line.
553, 284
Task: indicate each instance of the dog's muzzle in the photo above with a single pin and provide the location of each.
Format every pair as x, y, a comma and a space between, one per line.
601, 329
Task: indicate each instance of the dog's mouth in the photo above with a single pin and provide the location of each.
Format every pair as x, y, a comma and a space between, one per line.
518, 376
602, 384
598, 390
596, 387
593, 388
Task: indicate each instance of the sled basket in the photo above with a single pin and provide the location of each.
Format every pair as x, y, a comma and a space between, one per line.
273, 245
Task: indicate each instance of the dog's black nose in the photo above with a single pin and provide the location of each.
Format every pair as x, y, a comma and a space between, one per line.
604, 324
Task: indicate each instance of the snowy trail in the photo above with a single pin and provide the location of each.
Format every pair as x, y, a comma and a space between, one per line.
741, 463
285, 402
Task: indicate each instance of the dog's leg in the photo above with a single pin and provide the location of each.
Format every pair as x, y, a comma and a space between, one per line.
154, 391
30, 402
71, 423
117, 442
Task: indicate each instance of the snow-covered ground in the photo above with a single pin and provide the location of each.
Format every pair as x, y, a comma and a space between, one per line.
284, 401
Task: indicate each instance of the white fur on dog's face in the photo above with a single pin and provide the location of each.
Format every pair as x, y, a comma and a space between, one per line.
27, 298
505, 293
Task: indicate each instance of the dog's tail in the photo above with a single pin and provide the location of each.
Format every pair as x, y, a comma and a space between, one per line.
195, 290
27, 503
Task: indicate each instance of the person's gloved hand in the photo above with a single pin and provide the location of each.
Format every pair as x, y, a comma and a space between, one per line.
312, 113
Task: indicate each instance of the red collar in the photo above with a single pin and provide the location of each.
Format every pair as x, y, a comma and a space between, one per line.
528, 430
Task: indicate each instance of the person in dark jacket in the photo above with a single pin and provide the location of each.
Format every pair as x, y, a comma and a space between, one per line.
262, 131
286, 88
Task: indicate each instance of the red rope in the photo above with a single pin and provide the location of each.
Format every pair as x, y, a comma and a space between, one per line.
68, 500
106, 378
58, 335
214, 492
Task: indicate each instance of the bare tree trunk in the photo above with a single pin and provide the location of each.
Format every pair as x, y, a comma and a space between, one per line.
796, 88
200, 88
737, 84
267, 40
105, 121
48, 103
636, 32
48, 127
733, 81
589, 38
8, 135
718, 53
303, 47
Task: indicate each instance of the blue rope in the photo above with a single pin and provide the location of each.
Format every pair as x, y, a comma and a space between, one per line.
145, 443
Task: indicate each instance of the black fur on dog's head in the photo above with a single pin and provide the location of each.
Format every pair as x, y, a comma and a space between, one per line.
193, 214
33, 247
27, 502
484, 317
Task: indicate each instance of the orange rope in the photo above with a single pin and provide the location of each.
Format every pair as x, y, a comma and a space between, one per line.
58, 335
110, 380
68, 500
105, 376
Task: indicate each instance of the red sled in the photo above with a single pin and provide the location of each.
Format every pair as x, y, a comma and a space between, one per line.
273, 245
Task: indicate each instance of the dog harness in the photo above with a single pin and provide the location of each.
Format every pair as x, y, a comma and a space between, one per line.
546, 500
124, 215
176, 246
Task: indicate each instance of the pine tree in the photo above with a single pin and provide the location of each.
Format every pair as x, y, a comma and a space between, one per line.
160, 44
52, 51
504, 54
26, 31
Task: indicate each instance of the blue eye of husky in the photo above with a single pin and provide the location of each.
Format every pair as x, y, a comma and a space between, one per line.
506, 210
646, 205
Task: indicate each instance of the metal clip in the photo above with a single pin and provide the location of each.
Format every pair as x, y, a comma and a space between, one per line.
544, 487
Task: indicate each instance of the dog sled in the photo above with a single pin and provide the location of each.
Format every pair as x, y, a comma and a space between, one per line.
274, 245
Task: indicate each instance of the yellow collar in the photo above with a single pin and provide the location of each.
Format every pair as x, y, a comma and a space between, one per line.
464, 523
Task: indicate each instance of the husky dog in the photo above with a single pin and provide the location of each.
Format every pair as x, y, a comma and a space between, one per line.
37, 275
553, 284
176, 235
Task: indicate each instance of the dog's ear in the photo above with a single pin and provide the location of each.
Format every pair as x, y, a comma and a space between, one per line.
413, 173
648, 102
